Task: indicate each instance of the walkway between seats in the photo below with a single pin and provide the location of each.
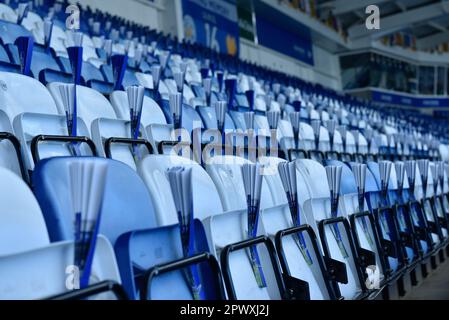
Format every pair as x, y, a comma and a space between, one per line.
435, 287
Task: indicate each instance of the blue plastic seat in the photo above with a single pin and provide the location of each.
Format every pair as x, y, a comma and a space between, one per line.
130, 79
126, 206
127, 220
45, 68
11, 31
90, 72
5, 64
138, 251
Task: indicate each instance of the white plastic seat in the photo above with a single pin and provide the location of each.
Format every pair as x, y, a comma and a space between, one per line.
157, 133
225, 171
29, 114
32, 268
153, 170
363, 144
58, 41
171, 85
90, 103
278, 218
231, 227
306, 137
32, 22
261, 123
350, 143
259, 104
24, 94
317, 208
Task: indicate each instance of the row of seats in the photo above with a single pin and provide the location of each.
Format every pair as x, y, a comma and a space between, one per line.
404, 228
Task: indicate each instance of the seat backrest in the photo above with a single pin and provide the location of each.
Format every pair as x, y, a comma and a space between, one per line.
22, 225
130, 79
313, 176
90, 72
151, 113
153, 169
273, 179
350, 143
348, 184
226, 173
91, 104
209, 118
10, 31
3, 54
14, 101
190, 118
306, 137
126, 205
374, 168
7, 13
41, 61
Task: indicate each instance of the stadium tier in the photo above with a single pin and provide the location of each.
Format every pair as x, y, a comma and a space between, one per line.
137, 166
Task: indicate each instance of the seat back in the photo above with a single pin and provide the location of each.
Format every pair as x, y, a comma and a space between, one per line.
190, 118
153, 170
209, 118
375, 202
22, 226
151, 113
11, 31
41, 61
90, 72
306, 137
226, 173
90, 103
103, 129
232, 227
13, 101
279, 218
126, 205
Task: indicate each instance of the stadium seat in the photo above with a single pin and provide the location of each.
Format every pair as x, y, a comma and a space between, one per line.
317, 210
229, 228
52, 190
91, 104
276, 221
